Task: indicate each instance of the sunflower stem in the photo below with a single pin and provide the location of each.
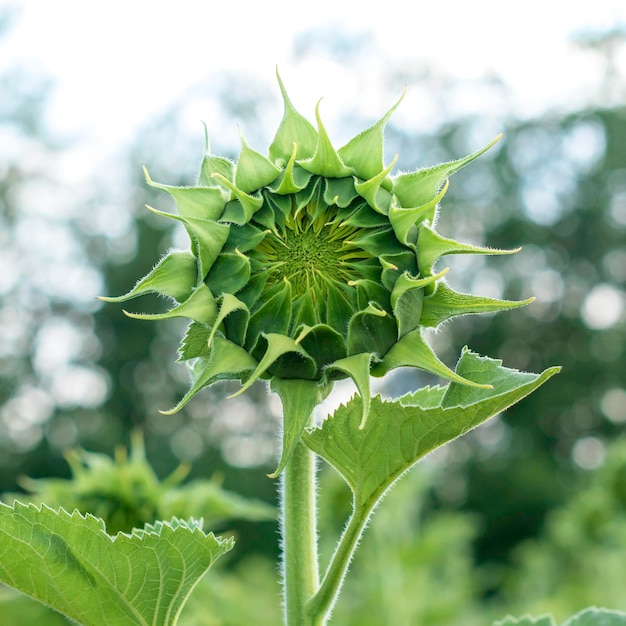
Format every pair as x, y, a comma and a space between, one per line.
324, 599
299, 536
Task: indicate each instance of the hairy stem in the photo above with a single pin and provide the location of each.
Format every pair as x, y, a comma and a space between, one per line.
299, 535
322, 602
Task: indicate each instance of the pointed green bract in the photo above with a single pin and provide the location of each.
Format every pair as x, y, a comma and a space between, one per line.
254, 171
174, 275
249, 203
418, 188
293, 129
432, 246
405, 220
412, 350
230, 304
407, 300
373, 191
445, 303
204, 202
200, 306
357, 367
277, 346
70, 563
364, 153
325, 161
299, 398
225, 361
293, 178
207, 238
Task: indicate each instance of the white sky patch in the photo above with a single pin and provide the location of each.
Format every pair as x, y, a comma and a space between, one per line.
118, 63
613, 405
603, 307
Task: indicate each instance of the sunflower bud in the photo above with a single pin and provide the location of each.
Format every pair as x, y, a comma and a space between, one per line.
311, 263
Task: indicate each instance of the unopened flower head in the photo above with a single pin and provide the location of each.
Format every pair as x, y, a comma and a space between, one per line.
311, 263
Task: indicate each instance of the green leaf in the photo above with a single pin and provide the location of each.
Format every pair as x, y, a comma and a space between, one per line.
325, 161
226, 361
445, 303
404, 220
299, 398
200, 306
413, 351
597, 617
195, 343
587, 617
545, 620
396, 435
71, 564
294, 128
431, 246
203, 202
407, 298
357, 366
364, 152
254, 171
277, 346
207, 238
175, 275
293, 179
418, 188
373, 191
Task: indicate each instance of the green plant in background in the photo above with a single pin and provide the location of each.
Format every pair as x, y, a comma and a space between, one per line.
588, 617
579, 558
126, 494
306, 266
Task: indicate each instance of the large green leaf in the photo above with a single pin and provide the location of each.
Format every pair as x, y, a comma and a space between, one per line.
587, 617
597, 617
71, 564
545, 620
397, 434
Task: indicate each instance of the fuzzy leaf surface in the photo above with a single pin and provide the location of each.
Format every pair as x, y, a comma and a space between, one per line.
71, 564
526, 620
397, 434
588, 617
597, 617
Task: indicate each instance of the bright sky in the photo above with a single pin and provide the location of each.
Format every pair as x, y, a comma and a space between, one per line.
117, 62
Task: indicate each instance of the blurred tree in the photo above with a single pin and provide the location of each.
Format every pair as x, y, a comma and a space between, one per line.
50, 387
558, 188
578, 560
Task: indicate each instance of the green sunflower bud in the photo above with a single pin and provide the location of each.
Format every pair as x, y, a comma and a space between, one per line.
311, 264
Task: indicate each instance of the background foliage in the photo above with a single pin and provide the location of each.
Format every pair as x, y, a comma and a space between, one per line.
524, 514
